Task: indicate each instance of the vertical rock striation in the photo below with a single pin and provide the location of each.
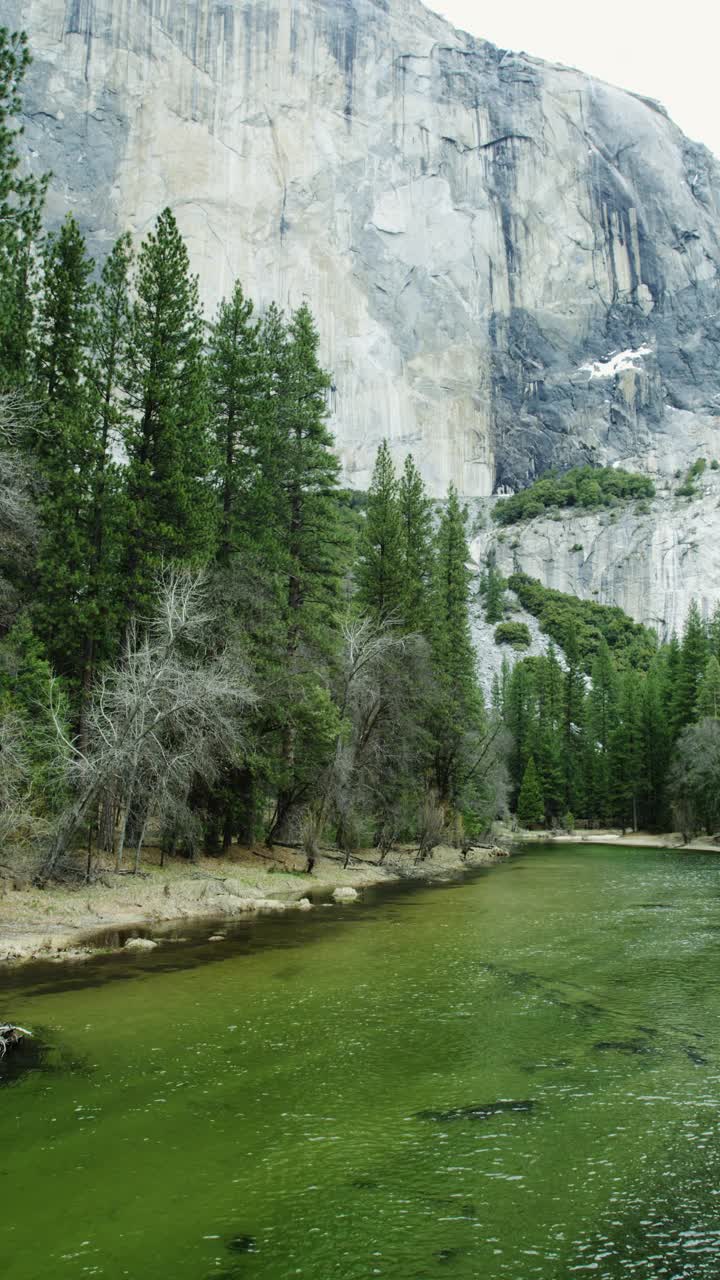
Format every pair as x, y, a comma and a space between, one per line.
513, 264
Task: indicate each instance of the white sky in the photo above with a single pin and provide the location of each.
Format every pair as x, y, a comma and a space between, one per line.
665, 49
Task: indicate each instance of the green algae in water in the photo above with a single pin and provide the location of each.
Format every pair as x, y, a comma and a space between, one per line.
361, 1107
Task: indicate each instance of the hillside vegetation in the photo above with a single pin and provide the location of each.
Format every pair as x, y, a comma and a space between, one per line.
584, 488
586, 624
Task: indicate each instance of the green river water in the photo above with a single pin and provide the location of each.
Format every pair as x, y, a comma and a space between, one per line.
294, 1100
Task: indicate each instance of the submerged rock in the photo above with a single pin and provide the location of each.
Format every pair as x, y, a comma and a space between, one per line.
622, 1046
140, 944
695, 1057
481, 1112
448, 1255
344, 894
242, 1244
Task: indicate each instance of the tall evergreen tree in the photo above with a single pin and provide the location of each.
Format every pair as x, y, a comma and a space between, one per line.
100, 620
459, 709
546, 734
167, 440
520, 714
302, 474
315, 547
573, 749
416, 550
380, 580
708, 700
693, 659
713, 631
626, 748
238, 393
492, 590
21, 201
531, 803
64, 443
602, 716
655, 734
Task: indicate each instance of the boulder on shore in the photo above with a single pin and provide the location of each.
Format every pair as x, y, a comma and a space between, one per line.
344, 894
304, 904
140, 944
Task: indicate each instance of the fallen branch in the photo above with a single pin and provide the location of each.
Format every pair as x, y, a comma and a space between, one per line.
10, 1036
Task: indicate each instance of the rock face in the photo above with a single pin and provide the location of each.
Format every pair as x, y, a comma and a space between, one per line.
651, 562
512, 265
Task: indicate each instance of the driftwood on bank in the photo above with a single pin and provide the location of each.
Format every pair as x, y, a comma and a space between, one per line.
10, 1037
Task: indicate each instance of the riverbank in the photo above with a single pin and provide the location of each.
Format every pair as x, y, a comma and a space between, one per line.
634, 839
57, 923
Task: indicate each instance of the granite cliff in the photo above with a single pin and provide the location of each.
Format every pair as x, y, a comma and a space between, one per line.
512, 265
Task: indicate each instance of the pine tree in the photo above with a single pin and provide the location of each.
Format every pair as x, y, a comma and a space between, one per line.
520, 718
21, 201
655, 734
459, 709
315, 548
531, 804
626, 751
573, 746
708, 700
380, 580
64, 444
238, 393
417, 550
496, 697
106, 499
693, 660
546, 732
713, 631
167, 441
26, 678
492, 590
301, 476
602, 715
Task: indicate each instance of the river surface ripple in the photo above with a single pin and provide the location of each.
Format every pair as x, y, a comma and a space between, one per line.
515, 1076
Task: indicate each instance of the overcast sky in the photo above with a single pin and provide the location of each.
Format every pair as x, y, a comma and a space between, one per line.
668, 51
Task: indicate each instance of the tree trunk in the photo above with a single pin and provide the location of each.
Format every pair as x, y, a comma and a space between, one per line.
138, 847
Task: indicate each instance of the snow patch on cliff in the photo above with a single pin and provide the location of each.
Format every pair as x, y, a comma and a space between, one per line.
619, 363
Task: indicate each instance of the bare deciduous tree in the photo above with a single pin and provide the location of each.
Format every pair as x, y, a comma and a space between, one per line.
694, 778
164, 716
375, 757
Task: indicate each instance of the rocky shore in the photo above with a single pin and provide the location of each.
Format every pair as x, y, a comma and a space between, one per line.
58, 923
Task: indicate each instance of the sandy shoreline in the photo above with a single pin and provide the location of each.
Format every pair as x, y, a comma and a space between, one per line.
637, 839
58, 923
